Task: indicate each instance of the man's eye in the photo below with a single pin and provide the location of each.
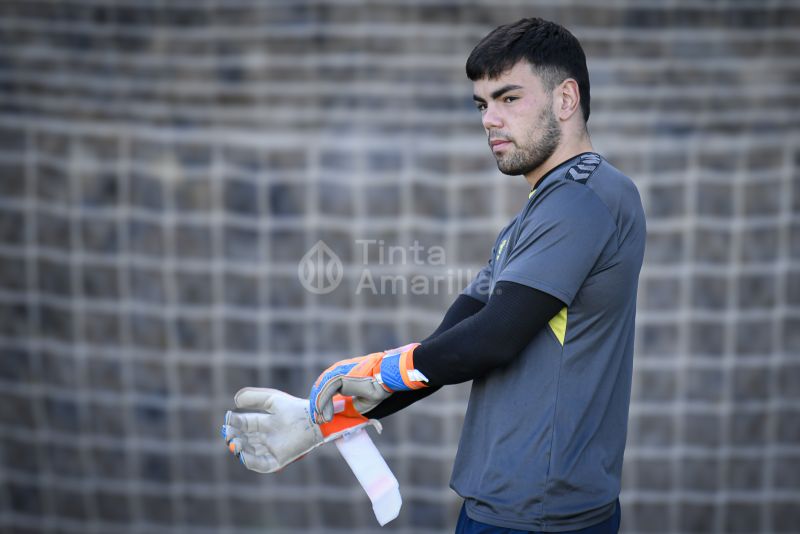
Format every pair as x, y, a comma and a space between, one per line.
480, 106
509, 99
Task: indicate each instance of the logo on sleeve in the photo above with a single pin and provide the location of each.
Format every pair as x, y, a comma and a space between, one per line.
500, 249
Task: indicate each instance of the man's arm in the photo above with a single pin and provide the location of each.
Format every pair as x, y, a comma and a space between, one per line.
490, 337
462, 308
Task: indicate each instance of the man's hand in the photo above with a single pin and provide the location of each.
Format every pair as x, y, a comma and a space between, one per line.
369, 380
279, 431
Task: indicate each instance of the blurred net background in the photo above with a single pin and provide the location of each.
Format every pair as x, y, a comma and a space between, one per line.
164, 166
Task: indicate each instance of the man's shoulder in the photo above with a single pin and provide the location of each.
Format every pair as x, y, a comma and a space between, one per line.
595, 179
609, 175
617, 191
582, 170
593, 170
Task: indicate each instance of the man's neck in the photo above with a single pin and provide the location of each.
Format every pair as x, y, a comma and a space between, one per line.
564, 152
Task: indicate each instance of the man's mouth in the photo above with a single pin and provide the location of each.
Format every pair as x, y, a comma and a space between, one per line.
497, 144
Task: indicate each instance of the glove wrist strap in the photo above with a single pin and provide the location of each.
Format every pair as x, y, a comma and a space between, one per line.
397, 371
345, 416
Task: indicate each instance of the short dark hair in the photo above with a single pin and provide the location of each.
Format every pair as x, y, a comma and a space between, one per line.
553, 51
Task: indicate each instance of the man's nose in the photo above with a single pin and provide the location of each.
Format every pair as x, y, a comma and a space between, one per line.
491, 119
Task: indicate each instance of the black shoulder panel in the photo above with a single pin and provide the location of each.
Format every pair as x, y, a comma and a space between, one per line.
583, 169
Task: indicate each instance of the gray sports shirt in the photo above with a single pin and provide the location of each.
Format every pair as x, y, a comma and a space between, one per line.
543, 439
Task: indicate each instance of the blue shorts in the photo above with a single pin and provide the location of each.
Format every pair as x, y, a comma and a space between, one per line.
466, 525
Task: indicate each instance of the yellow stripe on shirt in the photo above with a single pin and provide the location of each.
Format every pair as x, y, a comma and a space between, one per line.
558, 324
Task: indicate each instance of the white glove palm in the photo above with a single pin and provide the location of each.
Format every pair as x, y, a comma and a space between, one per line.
280, 430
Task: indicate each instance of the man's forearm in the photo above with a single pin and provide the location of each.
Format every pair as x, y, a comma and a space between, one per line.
398, 401
462, 308
490, 338
467, 348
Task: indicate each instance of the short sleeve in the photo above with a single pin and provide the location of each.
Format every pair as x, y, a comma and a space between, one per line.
561, 239
480, 286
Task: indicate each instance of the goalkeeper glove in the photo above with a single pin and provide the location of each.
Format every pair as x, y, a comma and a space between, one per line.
368, 379
279, 431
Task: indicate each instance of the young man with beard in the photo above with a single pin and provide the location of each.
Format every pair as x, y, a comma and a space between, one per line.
545, 331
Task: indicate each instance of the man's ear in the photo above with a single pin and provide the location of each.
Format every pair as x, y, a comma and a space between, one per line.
568, 99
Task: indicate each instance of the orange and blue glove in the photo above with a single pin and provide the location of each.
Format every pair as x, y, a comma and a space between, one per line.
368, 380
276, 430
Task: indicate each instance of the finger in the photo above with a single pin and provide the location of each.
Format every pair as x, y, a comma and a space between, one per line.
248, 422
366, 388
229, 427
231, 421
362, 405
239, 446
244, 444
323, 402
228, 433
255, 398
235, 446
235, 422
259, 463
327, 412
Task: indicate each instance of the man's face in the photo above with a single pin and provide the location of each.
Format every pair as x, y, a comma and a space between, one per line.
517, 114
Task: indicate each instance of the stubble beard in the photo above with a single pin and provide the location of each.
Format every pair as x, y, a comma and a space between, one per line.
528, 157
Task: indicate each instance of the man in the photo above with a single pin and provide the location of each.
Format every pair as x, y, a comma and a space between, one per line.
545, 331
